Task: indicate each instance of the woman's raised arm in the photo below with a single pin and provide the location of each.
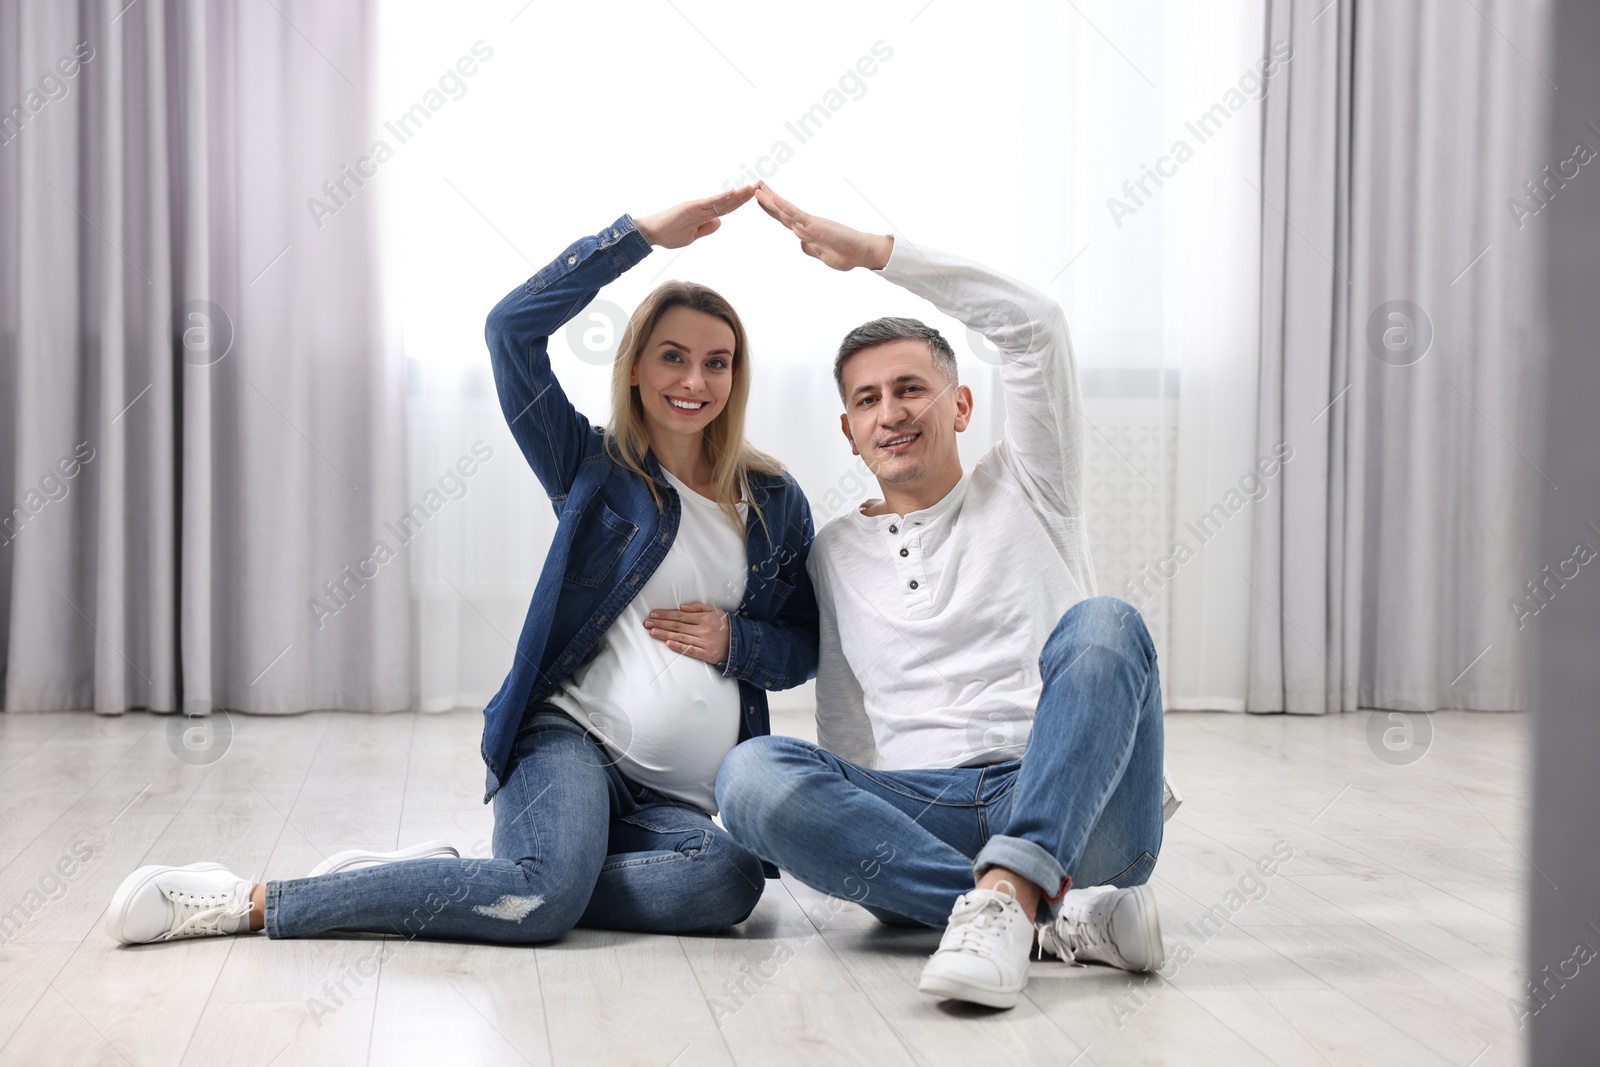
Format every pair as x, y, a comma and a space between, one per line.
554, 436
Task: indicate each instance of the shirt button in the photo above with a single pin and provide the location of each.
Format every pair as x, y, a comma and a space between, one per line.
903, 552
571, 260
894, 529
913, 583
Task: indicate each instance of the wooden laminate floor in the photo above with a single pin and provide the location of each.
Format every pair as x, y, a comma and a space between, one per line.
1392, 935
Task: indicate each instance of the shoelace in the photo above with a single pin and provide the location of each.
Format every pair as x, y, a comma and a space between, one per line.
1080, 935
987, 925
206, 912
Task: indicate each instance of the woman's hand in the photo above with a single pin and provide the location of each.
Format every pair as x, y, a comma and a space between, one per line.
834, 243
692, 219
697, 630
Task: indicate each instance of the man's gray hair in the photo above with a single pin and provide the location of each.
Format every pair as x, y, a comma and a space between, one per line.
882, 331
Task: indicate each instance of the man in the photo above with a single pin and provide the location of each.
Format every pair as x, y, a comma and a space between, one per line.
982, 714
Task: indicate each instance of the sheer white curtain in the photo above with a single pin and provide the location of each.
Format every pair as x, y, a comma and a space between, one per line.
1147, 186
1001, 138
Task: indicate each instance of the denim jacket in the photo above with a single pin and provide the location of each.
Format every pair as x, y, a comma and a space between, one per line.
610, 536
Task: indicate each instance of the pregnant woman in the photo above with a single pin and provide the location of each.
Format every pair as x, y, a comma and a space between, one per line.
673, 597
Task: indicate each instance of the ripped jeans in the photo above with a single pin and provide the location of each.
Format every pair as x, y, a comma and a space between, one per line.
575, 844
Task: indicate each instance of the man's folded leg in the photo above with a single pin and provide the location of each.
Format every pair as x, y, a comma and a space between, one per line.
1087, 803
891, 841
1086, 812
1088, 797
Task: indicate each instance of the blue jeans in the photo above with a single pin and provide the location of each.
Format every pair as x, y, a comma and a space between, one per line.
1084, 799
575, 844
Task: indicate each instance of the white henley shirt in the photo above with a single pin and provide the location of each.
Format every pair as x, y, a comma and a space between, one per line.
932, 622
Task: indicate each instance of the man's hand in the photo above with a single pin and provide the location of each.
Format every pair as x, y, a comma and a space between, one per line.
697, 630
834, 243
690, 220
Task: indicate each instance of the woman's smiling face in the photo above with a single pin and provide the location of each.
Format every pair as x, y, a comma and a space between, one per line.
685, 372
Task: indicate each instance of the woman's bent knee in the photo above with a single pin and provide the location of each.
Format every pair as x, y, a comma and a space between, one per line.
736, 883
545, 908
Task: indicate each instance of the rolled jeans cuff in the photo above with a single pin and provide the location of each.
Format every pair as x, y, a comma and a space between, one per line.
1029, 860
269, 910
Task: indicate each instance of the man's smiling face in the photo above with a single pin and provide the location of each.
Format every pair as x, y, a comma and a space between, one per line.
902, 413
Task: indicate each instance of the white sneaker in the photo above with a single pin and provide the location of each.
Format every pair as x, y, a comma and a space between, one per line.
983, 956
356, 858
1107, 925
160, 903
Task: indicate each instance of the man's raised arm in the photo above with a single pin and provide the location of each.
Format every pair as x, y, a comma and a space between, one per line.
1044, 434
1044, 420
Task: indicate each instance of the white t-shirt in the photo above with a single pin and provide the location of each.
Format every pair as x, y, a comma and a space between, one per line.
932, 623
668, 719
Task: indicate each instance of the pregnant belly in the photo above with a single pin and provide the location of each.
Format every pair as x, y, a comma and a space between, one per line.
662, 716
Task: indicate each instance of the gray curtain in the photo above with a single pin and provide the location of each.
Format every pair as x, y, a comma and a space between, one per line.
199, 418
1397, 340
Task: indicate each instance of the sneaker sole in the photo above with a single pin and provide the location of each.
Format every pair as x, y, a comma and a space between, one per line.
135, 882
355, 858
953, 989
1150, 921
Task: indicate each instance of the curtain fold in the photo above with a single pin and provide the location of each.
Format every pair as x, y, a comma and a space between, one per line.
200, 428
1395, 345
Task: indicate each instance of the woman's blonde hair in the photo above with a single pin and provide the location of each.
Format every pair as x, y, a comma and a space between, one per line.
732, 458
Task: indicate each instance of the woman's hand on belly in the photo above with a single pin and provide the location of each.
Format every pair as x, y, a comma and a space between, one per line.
697, 630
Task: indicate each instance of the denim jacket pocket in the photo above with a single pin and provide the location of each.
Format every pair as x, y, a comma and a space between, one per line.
778, 593
598, 541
